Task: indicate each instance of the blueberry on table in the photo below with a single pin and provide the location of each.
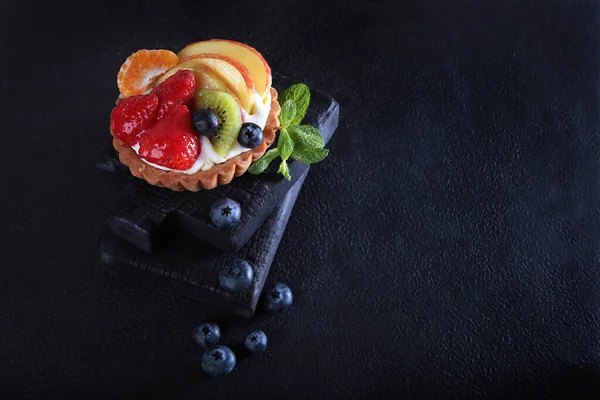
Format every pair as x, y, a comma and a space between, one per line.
250, 135
207, 334
206, 122
256, 341
236, 276
278, 298
218, 361
225, 213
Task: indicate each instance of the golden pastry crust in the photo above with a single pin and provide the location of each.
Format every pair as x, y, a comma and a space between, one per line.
219, 174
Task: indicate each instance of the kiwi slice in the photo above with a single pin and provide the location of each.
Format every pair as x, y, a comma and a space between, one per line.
228, 113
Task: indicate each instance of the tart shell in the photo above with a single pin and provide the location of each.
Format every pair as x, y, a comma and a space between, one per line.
219, 174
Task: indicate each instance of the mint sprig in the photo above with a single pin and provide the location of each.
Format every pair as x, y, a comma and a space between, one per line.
302, 143
306, 137
285, 144
288, 113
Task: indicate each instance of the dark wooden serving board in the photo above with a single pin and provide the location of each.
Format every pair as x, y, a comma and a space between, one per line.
165, 238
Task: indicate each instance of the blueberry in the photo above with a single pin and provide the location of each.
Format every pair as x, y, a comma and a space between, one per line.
218, 361
250, 135
237, 276
207, 334
256, 341
278, 298
225, 213
205, 122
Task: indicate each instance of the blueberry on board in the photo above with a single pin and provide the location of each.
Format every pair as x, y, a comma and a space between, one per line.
224, 213
206, 122
236, 276
250, 135
207, 334
278, 298
218, 361
256, 341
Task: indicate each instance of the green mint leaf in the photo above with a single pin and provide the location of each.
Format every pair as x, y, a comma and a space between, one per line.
259, 166
306, 137
300, 95
288, 113
284, 170
310, 156
285, 144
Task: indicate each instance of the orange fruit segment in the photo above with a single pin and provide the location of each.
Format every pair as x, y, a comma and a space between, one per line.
141, 69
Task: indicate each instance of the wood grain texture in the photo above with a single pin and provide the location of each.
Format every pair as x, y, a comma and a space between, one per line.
190, 267
148, 211
165, 238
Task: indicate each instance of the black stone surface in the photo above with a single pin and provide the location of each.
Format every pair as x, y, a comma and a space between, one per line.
149, 213
447, 249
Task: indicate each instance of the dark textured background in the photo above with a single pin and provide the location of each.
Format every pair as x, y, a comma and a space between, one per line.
448, 247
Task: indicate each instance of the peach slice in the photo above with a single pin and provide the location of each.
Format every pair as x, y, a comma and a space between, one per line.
233, 79
238, 65
204, 76
207, 78
246, 55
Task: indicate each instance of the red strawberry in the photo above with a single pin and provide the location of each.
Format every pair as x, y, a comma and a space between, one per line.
177, 89
172, 142
131, 116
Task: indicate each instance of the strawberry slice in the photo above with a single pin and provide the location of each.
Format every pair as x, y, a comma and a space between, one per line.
132, 116
172, 142
177, 89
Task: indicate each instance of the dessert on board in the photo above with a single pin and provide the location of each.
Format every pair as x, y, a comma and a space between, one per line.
195, 119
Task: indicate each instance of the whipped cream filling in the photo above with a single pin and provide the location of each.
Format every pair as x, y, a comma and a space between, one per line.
208, 157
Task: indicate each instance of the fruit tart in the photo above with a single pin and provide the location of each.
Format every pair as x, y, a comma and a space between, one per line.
196, 119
